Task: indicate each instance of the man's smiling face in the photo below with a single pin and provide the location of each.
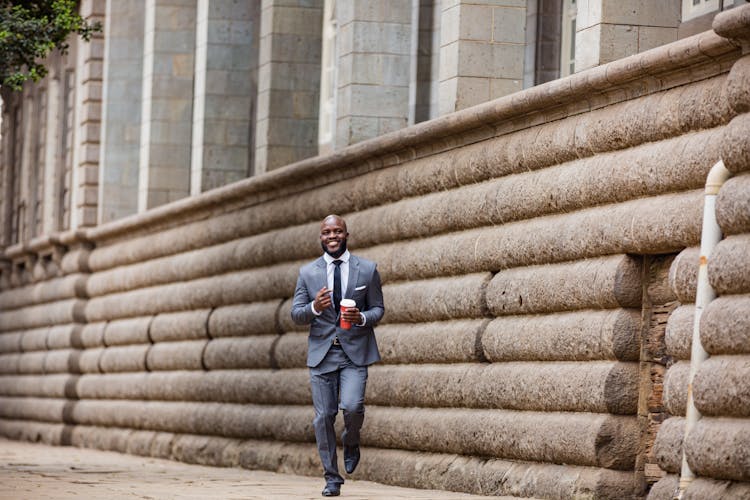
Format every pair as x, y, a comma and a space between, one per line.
333, 235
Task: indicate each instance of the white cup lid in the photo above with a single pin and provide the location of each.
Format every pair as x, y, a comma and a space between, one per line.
348, 303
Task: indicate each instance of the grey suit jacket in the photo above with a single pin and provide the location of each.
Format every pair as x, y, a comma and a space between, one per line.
364, 288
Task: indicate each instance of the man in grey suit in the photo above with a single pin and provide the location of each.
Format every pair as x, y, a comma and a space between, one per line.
338, 358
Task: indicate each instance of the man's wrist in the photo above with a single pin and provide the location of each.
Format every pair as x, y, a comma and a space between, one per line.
363, 319
312, 308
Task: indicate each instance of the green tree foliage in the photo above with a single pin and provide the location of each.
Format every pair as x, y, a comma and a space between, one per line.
30, 30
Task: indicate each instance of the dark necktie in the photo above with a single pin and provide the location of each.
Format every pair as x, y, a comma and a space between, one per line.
337, 285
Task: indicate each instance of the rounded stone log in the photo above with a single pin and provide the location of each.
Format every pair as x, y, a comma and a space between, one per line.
683, 275
721, 386
725, 325
493, 476
301, 458
76, 260
674, 224
719, 448
186, 325
239, 352
668, 444
285, 423
597, 387
573, 336
203, 450
129, 358
665, 488
139, 443
733, 205
62, 361
10, 342
702, 488
291, 350
453, 341
65, 336
100, 438
257, 285
573, 438
92, 334
161, 445
114, 386
735, 147
678, 335
602, 283
53, 313
284, 318
9, 363
29, 408
180, 355
231, 386
241, 320
436, 299
46, 386
32, 362
732, 25
34, 340
35, 432
88, 361
127, 331
729, 267
675, 388
53, 290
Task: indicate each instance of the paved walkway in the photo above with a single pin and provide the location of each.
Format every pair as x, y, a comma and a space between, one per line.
31, 471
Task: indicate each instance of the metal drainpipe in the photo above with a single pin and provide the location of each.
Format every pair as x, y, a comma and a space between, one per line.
710, 237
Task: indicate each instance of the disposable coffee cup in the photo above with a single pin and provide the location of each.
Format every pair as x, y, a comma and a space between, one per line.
346, 304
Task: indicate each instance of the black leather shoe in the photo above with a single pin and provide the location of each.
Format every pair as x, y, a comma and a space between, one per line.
351, 458
330, 491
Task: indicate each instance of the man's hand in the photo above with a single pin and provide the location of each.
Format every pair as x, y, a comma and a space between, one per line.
352, 315
322, 300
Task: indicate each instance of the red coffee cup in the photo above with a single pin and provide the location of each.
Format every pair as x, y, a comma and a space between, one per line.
346, 304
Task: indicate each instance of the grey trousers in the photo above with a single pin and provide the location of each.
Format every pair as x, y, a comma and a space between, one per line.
337, 383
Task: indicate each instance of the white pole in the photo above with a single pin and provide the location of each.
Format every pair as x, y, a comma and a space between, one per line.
710, 237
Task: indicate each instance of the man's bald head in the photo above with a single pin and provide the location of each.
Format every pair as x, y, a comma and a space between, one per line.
333, 219
333, 235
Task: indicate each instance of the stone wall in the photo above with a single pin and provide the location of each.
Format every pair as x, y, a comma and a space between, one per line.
524, 246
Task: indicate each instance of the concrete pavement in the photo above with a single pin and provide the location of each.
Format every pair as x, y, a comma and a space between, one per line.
30, 471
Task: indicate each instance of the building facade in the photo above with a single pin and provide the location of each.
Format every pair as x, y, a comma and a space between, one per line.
539, 251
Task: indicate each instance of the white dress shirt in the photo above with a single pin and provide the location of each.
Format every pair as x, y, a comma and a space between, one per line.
330, 266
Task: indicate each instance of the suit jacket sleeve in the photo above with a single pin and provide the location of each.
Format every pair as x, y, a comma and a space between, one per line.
301, 312
375, 307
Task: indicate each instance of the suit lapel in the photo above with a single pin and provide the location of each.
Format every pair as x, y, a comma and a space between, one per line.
353, 275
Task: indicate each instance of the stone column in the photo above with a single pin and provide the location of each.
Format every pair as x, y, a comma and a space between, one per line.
288, 82
121, 114
167, 102
482, 51
226, 70
374, 60
607, 30
88, 115
52, 140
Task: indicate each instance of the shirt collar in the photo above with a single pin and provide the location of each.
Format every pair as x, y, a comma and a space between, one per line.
344, 257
